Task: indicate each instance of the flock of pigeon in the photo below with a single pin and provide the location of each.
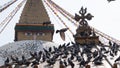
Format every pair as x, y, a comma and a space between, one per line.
67, 55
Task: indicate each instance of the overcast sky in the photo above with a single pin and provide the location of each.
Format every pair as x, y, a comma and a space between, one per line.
106, 16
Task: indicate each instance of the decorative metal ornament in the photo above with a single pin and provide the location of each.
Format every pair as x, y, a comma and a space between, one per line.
84, 16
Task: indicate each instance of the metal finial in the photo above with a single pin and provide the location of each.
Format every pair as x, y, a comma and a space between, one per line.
83, 17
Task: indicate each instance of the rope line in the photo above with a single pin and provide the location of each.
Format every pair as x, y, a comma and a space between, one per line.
98, 49
10, 16
65, 13
6, 5
58, 16
53, 10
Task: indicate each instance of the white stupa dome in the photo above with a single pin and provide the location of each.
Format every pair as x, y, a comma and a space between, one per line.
20, 48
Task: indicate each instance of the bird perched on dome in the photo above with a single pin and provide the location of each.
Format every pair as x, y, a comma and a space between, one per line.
61, 31
6, 63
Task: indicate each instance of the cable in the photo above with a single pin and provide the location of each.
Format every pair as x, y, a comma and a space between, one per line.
10, 16
58, 17
6, 5
97, 48
67, 15
63, 12
106, 36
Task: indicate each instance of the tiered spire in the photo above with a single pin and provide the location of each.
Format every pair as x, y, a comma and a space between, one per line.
34, 12
34, 23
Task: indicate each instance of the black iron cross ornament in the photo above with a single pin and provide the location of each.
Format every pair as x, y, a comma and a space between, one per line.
84, 16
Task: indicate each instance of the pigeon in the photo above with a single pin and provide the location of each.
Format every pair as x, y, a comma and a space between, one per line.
27, 63
51, 61
7, 62
110, 0
68, 44
99, 58
13, 59
95, 53
61, 63
110, 43
50, 49
78, 58
118, 59
23, 58
82, 63
61, 31
94, 34
71, 63
46, 23
43, 58
72, 57
32, 55
111, 54
98, 63
65, 63
35, 63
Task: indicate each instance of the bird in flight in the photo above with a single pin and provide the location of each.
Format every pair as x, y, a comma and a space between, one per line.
61, 31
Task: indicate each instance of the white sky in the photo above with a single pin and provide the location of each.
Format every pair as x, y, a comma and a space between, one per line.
106, 16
